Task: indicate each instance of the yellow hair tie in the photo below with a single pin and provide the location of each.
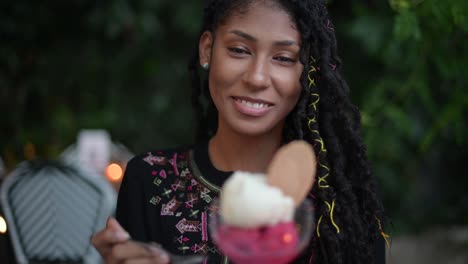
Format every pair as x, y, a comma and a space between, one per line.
311, 120
382, 233
311, 81
331, 208
322, 145
314, 103
331, 217
322, 182
318, 226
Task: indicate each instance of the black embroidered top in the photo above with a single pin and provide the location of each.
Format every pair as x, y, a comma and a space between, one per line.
165, 197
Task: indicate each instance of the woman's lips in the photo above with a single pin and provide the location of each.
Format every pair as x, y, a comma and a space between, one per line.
252, 107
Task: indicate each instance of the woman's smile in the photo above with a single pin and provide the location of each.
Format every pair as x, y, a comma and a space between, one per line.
251, 107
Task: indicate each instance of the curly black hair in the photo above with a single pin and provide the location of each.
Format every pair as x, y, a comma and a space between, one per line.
348, 210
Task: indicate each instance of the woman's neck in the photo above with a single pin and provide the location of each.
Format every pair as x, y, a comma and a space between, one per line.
232, 151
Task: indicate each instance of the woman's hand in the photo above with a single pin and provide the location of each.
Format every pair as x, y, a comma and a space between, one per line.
115, 246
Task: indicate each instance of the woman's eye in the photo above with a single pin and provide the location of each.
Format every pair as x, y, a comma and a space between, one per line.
238, 50
285, 59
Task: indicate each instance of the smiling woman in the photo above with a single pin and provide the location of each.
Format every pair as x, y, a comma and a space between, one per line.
272, 77
254, 74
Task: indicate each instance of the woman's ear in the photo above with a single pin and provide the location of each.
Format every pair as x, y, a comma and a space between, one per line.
204, 48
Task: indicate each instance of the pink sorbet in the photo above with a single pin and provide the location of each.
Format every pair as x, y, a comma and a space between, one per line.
276, 244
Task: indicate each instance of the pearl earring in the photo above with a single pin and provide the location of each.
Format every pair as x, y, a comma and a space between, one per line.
205, 66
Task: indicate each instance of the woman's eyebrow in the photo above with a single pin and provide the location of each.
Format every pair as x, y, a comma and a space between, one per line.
285, 43
243, 35
253, 39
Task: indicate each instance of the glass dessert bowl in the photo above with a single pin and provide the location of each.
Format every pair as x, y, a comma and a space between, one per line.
280, 243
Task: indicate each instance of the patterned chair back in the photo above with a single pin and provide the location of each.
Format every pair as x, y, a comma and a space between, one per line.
52, 210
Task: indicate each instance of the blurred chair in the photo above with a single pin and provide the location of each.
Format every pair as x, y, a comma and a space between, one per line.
52, 209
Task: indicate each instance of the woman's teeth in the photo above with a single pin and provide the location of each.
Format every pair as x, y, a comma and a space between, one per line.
254, 105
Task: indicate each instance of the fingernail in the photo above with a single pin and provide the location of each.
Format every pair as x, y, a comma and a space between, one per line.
158, 252
164, 258
121, 235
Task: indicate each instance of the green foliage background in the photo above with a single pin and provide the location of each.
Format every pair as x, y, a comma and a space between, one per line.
121, 65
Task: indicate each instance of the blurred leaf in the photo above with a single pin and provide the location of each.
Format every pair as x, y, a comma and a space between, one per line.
407, 26
400, 4
460, 14
370, 31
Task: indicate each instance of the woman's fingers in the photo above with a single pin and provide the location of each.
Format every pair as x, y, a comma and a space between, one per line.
114, 225
136, 252
143, 261
159, 254
108, 237
115, 246
116, 232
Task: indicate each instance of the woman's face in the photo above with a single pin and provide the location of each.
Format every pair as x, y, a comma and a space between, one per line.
254, 69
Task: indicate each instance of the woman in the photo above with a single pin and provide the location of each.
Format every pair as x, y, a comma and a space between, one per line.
272, 77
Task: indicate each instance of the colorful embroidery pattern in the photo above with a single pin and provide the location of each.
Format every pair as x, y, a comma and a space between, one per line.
183, 203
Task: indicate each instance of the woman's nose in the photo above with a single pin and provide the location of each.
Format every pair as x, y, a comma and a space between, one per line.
257, 75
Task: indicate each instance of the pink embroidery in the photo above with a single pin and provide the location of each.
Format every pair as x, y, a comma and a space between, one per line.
185, 225
195, 201
204, 229
193, 182
178, 185
170, 207
151, 160
183, 239
197, 248
191, 200
174, 164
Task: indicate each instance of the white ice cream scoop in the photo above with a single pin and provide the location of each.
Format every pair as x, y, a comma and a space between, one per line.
253, 200
246, 200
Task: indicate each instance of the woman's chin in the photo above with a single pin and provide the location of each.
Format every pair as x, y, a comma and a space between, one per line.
254, 129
